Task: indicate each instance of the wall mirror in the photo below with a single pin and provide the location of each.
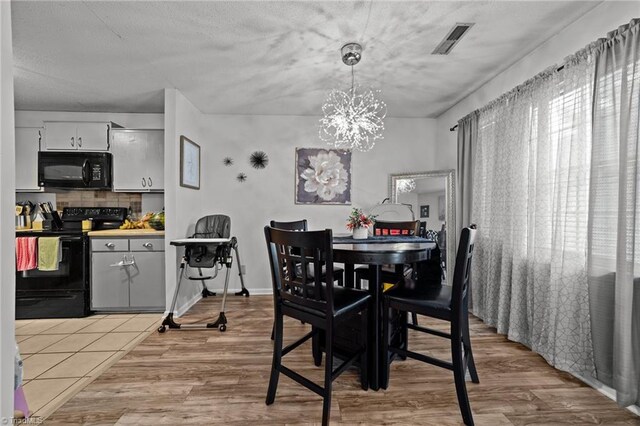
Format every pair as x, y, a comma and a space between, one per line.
431, 196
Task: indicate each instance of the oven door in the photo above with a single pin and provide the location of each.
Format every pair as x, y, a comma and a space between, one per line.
80, 170
56, 294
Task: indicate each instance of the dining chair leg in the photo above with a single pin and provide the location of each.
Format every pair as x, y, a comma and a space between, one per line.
340, 280
466, 342
273, 330
328, 370
457, 359
414, 318
386, 367
404, 333
315, 347
364, 335
277, 360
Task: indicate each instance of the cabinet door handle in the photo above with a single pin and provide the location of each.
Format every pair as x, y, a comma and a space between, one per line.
144, 183
73, 141
79, 142
147, 245
110, 245
150, 182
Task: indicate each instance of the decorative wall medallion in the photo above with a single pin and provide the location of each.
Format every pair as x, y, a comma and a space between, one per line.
259, 160
323, 176
241, 177
227, 161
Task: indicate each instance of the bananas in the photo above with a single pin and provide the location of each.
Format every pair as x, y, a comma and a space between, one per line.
138, 224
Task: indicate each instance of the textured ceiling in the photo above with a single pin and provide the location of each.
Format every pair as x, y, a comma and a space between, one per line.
267, 57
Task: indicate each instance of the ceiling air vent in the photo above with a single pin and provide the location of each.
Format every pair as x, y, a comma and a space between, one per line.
452, 38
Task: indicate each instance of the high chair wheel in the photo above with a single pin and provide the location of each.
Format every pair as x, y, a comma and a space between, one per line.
222, 327
162, 329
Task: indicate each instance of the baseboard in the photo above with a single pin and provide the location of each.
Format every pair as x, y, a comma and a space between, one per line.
185, 307
252, 291
606, 391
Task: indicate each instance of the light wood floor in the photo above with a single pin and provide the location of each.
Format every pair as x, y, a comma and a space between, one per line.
207, 377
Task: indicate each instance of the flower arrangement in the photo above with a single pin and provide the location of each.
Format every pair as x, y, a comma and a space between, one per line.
357, 219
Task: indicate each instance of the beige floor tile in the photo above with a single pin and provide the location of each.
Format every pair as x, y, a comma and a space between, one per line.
99, 316
77, 365
155, 315
21, 323
37, 364
40, 392
73, 343
112, 341
137, 324
104, 325
37, 326
116, 316
21, 338
38, 342
70, 326
63, 397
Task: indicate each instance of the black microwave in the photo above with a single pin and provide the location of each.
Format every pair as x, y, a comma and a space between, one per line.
79, 170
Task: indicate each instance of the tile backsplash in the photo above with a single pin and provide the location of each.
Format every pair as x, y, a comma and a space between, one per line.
130, 200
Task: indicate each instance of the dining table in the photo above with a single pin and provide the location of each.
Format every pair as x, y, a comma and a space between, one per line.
376, 252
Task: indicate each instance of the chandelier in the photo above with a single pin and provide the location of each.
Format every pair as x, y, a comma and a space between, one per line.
406, 185
352, 119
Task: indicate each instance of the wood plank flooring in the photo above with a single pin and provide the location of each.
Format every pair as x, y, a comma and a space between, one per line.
206, 377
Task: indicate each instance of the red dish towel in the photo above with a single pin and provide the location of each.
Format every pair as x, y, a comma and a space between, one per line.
26, 253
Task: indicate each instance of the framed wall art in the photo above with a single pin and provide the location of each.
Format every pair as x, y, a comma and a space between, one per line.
323, 176
424, 211
189, 163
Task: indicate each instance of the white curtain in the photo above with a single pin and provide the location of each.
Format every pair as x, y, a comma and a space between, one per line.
531, 182
614, 225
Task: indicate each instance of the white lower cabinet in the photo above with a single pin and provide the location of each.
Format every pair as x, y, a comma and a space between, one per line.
127, 274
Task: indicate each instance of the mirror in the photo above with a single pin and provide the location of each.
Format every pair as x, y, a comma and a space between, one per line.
431, 196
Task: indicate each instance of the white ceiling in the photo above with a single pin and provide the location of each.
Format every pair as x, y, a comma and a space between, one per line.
236, 57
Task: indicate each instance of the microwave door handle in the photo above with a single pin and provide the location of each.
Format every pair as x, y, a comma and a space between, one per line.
85, 172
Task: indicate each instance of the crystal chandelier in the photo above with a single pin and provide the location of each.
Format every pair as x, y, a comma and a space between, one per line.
406, 185
352, 119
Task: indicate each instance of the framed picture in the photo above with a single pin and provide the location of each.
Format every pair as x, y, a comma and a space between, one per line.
189, 163
323, 176
424, 211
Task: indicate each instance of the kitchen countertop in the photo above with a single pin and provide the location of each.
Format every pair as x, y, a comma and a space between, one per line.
127, 233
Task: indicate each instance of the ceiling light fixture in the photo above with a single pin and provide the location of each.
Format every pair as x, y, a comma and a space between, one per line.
352, 119
406, 185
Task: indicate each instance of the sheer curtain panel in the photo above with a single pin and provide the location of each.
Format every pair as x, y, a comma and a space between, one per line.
531, 182
614, 214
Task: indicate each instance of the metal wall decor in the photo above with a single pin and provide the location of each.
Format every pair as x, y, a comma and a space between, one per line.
227, 161
259, 159
241, 177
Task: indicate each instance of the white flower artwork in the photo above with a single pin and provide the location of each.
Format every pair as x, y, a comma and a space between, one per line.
323, 176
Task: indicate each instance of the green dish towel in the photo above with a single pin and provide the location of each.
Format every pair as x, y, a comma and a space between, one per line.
49, 253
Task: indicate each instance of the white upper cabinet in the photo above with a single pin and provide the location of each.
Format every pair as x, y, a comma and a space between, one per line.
76, 136
27, 147
138, 160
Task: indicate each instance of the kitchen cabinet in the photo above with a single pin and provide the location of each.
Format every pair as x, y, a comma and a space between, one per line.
127, 274
76, 136
138, 160
27, 147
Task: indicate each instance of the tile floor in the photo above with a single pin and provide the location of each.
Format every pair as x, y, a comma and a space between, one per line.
62, 356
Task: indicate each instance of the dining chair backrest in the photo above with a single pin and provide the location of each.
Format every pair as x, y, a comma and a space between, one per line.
290, 254
462, 271
296, 225
405, 228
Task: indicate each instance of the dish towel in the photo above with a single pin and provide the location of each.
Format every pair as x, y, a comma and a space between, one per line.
26, 253
49, 253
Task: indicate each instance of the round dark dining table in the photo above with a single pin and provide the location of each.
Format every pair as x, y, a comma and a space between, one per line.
376, 252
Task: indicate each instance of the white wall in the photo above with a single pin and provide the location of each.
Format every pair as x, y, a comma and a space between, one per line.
7, 232
593, 25
408, 146
183, 206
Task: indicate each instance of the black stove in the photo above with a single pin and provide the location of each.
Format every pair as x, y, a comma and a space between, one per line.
64, 293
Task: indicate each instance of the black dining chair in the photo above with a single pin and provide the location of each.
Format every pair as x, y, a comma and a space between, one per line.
301, 225
390, 274
444, 303
309, 299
